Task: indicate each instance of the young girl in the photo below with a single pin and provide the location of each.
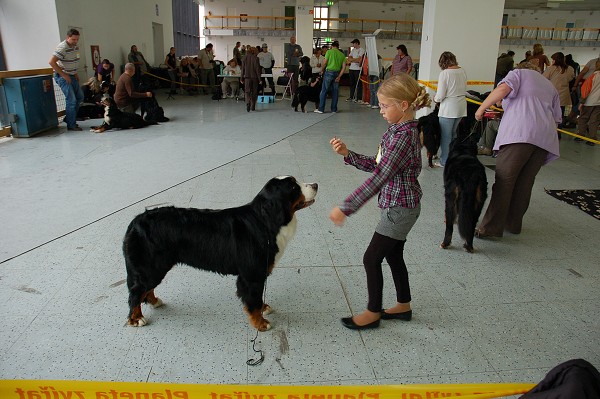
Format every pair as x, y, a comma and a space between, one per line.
395, 170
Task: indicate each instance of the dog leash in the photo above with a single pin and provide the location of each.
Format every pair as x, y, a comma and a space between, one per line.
256, 362
473, 130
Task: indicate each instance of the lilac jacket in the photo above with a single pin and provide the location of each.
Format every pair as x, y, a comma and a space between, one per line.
531, 112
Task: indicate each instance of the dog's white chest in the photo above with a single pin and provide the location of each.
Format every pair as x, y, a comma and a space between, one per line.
285, 235
106, 118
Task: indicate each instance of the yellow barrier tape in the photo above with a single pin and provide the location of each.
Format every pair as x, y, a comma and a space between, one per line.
44, 389
469, 82
370, 83
171, 81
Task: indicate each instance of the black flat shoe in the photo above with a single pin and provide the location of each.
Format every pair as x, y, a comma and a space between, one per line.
349, 323
406, 316
248, 107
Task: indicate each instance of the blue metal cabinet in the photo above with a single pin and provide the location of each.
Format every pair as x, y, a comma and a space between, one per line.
31, 100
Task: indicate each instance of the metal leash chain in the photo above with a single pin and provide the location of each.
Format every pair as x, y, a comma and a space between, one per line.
256, 362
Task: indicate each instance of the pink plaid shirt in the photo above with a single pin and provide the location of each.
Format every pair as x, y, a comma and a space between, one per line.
395, 177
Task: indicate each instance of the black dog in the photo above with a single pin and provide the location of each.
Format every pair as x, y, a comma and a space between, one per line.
90, 111
114, 118
304, 94
429, 126
153, 111
246, 241
465, 190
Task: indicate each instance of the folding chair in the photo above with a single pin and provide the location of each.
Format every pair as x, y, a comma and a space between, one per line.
287, 88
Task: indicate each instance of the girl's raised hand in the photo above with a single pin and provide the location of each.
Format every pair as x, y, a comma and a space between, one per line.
338, 146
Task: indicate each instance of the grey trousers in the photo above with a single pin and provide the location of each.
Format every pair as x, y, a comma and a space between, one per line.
516, 168
589, 121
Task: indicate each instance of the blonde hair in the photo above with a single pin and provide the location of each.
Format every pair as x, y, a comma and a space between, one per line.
403, 87
538, 49
94, 84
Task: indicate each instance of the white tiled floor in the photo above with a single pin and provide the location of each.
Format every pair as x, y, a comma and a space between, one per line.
507, 313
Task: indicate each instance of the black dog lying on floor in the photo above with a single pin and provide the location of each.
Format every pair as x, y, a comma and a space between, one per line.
310, 92
114, 118
429, 126
465, 191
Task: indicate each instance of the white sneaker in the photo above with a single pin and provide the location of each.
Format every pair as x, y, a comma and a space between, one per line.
374, 106
348, 99
436, 164
316, 111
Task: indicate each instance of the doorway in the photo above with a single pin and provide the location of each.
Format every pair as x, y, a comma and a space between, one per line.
158, 41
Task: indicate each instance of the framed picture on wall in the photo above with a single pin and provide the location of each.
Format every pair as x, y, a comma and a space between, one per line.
95, 56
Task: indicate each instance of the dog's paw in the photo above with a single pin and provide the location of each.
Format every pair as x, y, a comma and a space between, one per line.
264, 326
468, 248
158, 303
444, 245
267, 309
137, 323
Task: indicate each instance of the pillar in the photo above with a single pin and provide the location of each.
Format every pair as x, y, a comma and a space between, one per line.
470, 29
304, 25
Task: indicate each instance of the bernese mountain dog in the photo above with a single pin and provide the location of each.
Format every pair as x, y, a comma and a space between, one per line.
245, 241
114, 118
465, 191
309, 92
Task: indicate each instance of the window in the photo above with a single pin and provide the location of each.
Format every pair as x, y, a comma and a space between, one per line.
321, 12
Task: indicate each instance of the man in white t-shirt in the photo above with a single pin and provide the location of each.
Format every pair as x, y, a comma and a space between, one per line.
355, 61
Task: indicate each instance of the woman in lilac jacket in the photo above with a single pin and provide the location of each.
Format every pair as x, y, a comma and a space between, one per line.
526, 140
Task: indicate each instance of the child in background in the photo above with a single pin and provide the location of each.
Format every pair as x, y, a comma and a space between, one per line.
395, 171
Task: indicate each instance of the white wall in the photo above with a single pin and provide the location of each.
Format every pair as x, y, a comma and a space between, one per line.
128, 22
30, 33
399, 12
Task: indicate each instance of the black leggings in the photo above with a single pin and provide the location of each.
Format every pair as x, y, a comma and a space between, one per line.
382, 247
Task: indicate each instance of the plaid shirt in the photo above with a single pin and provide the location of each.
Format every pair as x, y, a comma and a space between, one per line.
401, 64
394, 176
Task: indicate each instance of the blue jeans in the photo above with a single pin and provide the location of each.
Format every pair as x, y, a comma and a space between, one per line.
448, 128
373, 87
329, 81
73, 97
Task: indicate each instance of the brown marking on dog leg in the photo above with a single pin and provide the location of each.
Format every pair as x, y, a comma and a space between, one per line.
257, 320
153, 299
478, 196
136, 319
266, 309
270, 268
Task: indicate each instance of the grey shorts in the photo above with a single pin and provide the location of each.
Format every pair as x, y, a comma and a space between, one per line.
397, 221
